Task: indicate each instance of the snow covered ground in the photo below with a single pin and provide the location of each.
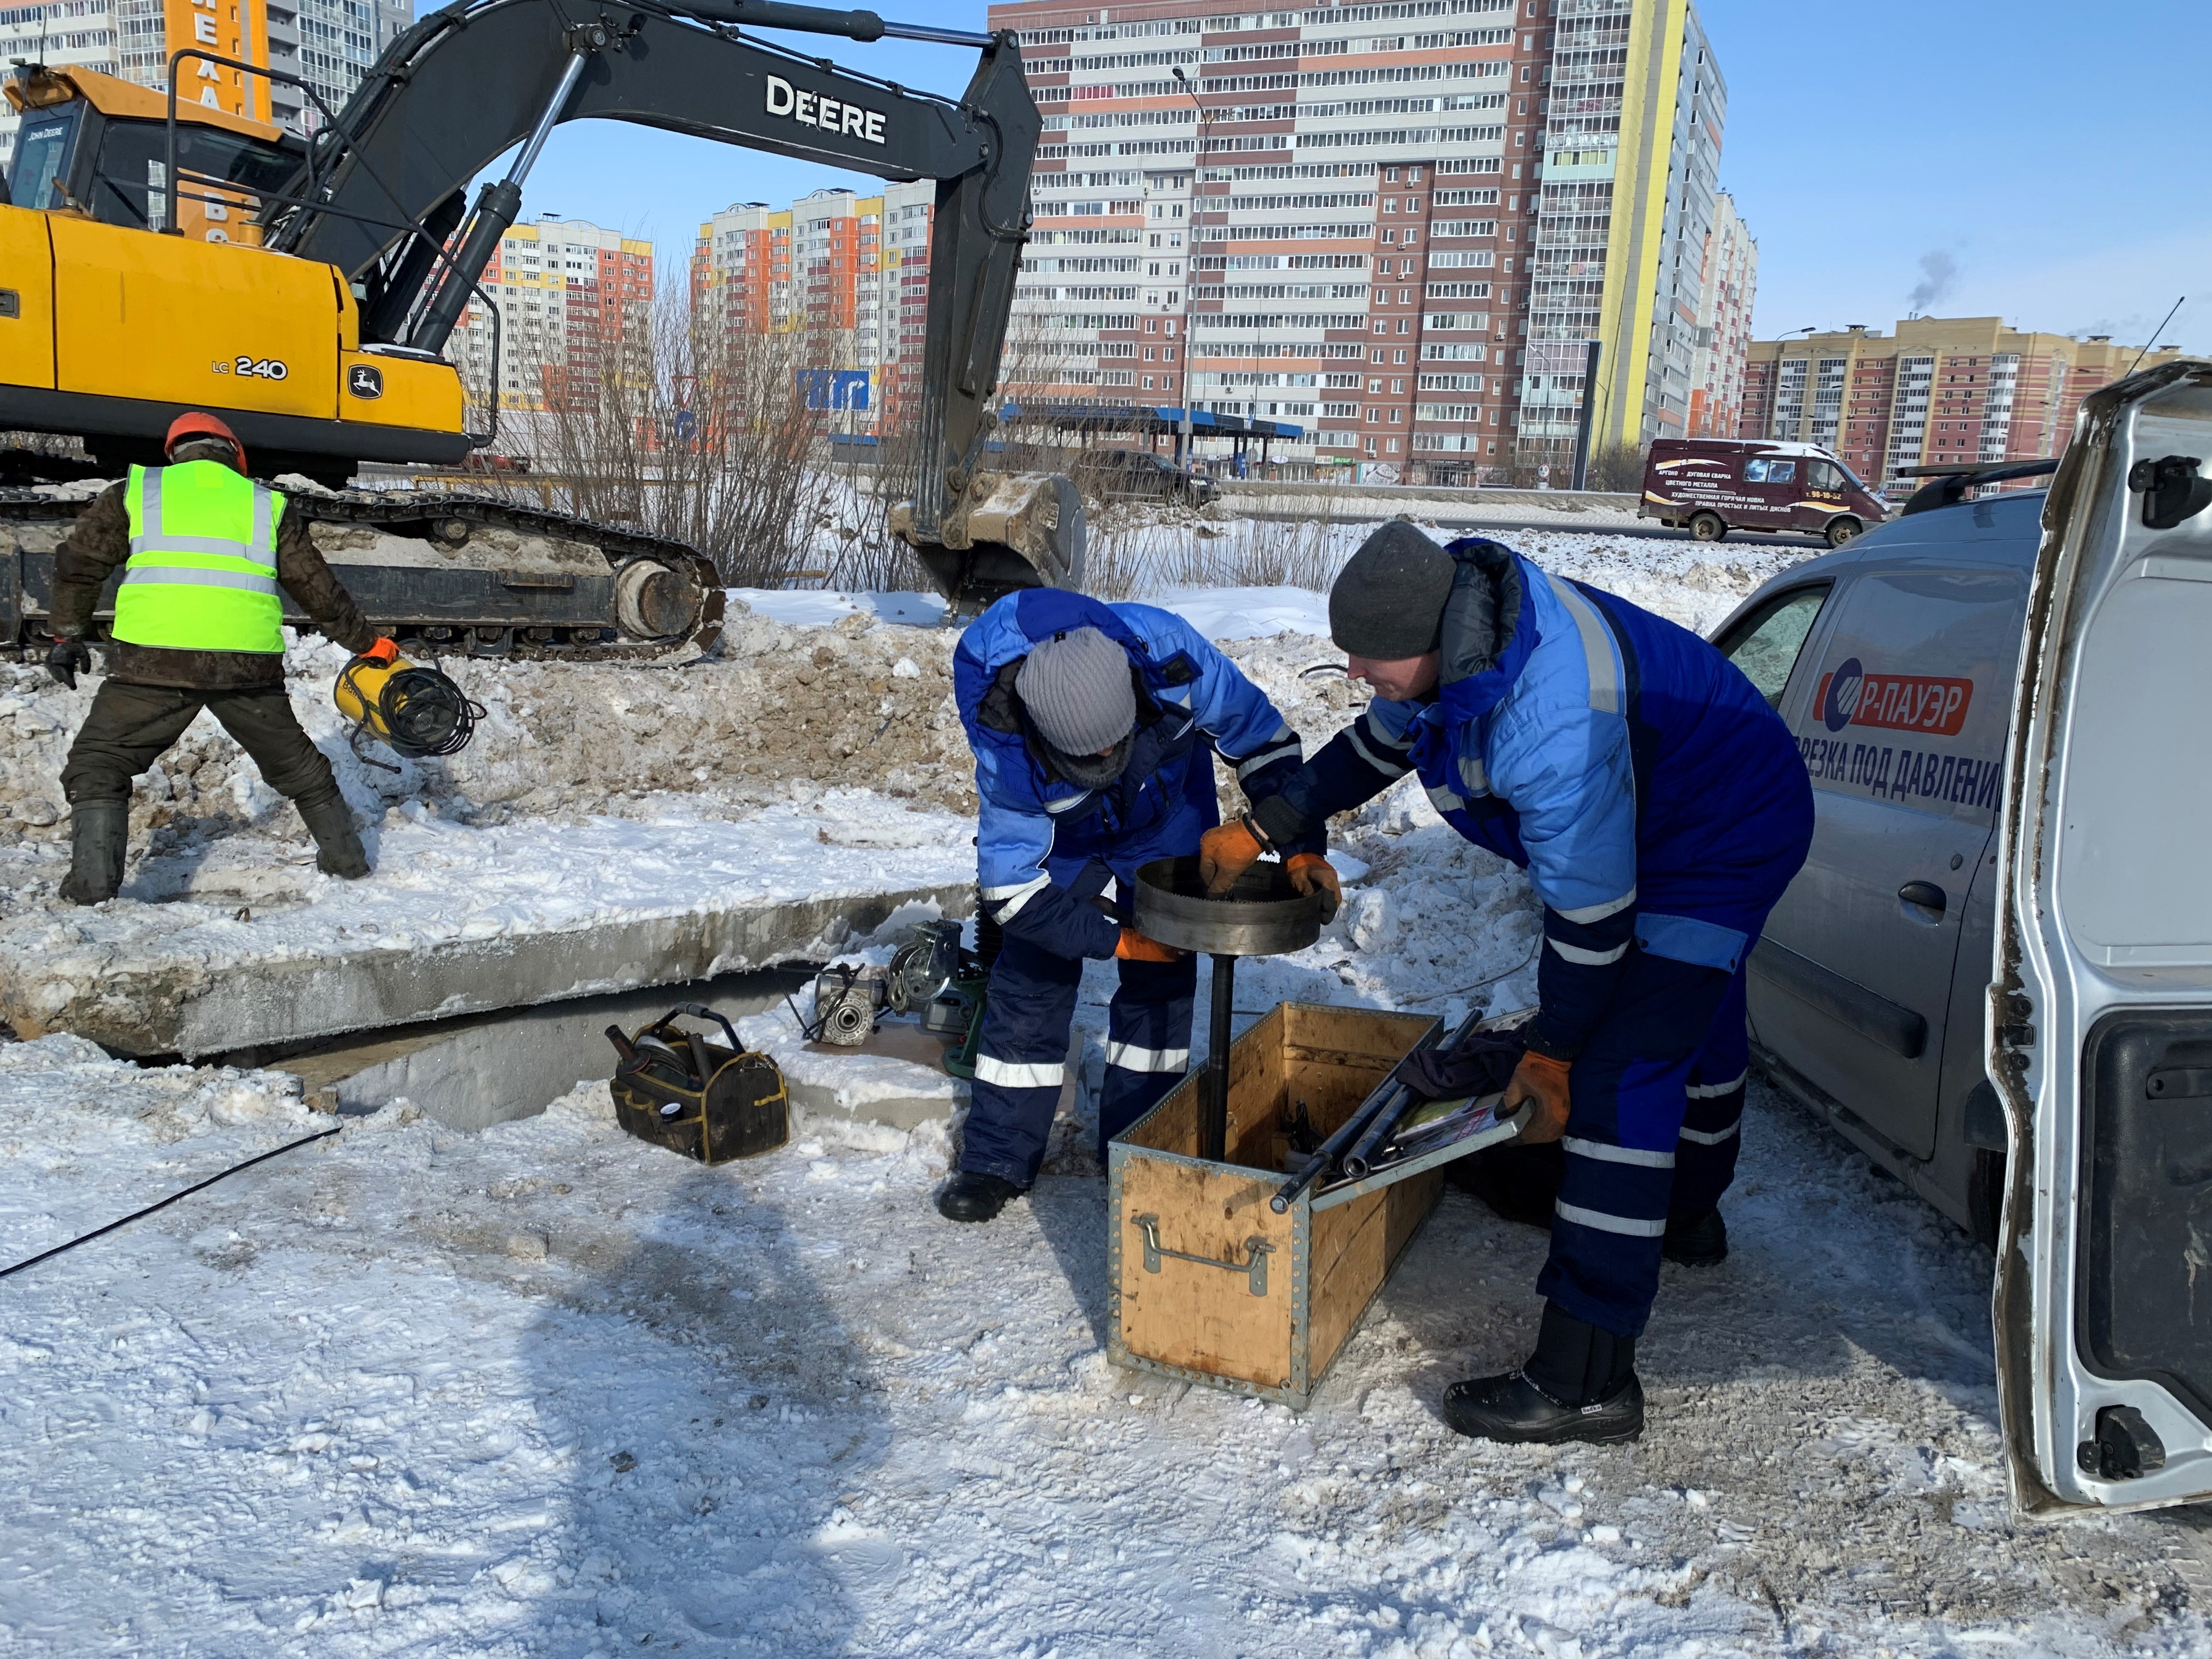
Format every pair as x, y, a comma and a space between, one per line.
545, 1390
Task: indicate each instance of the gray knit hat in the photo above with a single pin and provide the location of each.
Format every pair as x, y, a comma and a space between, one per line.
1077, 688
1389, 604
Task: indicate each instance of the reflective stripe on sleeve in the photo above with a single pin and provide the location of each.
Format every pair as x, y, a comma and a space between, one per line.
1006, 901
1444, 801
1605, 1154
1575, 954
1597, 647
1291, 750
1627, 1226
1715, 1091
1131, 1058
1014, 1074
1583, 916
1393, 767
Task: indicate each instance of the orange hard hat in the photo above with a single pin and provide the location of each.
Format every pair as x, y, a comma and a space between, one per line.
200, 424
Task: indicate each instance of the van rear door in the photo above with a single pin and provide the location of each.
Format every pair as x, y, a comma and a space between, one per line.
2099, 1023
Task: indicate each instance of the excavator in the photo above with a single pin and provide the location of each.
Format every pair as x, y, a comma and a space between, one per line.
158, 255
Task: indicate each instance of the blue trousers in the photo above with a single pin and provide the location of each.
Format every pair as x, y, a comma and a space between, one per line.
1021, 1057
1655, 1103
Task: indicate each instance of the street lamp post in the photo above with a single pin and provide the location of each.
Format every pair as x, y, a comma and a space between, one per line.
1189, 251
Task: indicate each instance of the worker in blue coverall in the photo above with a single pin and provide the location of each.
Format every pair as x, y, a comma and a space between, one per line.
1094, 727
1659, 807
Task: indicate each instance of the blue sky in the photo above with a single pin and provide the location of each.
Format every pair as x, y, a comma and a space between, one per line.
2036, 160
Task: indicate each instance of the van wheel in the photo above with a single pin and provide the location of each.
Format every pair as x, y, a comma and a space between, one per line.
1707, 527
1843, 530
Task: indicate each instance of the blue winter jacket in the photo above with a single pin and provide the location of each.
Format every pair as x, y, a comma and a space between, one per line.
1645, 785
1045, 848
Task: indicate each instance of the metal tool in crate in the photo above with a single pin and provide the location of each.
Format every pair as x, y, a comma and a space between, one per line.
1261, 915
1398, 1132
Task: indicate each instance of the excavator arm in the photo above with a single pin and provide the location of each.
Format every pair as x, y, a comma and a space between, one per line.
382, 197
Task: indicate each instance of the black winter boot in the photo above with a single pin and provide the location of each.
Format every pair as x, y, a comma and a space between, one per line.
1580, 1384
338, 843
99, 834
972, 1197
1696, 1238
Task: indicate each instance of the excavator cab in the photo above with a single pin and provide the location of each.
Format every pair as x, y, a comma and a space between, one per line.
97, 148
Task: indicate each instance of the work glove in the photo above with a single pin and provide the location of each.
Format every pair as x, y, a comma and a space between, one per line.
1310, 872
66, 660
1541, 1081
383, 651
1136, 947
1226, 852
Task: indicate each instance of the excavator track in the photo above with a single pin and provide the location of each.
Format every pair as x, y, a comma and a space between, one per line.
452, 573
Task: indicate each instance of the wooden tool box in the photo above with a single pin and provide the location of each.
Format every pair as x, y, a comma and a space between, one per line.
1207, 1283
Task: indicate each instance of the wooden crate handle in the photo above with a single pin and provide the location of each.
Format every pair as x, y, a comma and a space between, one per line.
1254, 1268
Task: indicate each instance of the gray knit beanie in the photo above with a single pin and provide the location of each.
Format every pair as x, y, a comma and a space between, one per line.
1077, 688
1389, 604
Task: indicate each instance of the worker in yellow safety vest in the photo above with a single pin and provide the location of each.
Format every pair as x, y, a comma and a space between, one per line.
207, 555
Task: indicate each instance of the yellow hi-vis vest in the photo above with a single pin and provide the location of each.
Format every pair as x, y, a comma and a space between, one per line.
202, 574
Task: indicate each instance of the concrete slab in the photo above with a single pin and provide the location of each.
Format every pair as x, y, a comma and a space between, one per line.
476, 920
471, 1072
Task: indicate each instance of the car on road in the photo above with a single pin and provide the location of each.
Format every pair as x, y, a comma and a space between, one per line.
1139, 475
1994, 975
1710, 486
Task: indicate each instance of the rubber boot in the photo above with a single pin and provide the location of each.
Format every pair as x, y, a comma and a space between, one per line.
338, 843
972, 1197
99, 834
1695, 1238
1580, 1384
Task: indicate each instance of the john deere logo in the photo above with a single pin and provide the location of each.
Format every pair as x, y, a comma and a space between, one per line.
365, 381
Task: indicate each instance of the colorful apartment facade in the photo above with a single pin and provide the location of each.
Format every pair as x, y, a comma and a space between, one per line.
1727, 285
848, 273
1396, 225
1941, 390
567, 293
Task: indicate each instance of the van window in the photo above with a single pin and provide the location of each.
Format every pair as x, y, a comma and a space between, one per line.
1819, 475
1765, 469
1766, 644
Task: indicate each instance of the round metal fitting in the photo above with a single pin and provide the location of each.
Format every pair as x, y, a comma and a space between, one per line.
654, 601
1261, 916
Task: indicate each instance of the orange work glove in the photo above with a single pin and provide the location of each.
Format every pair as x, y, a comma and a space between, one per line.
1226, 852
1136, 947
1309, 871
383, 651
1542, 1080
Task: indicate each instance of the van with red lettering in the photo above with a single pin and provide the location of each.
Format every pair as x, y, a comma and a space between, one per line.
1713, 485
1994, 975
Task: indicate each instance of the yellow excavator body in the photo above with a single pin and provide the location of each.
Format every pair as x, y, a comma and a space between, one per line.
109, 319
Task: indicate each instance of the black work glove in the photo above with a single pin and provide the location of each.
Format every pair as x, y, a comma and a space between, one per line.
66, 660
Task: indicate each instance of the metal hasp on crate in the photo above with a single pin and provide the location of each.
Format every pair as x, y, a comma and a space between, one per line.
1261, 915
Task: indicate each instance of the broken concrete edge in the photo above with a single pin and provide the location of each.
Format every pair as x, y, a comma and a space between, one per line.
186, 1010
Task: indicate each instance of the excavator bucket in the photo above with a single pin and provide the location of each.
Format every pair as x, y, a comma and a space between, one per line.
1007, 530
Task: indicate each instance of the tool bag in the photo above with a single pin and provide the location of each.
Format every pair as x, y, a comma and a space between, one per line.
681, 1090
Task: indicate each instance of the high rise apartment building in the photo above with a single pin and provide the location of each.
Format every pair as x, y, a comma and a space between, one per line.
330, 44
848, 273
1940, 389
1728, 283
1397, 225
574, 303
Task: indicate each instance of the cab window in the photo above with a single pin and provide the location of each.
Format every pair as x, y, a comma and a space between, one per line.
1821, 475
1766, 644
41, 155
1765, 469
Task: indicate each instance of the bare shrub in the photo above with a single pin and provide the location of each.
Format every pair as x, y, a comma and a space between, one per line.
691, 432
1616, 467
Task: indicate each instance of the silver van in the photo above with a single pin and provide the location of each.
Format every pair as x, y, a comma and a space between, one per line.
1994, 973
